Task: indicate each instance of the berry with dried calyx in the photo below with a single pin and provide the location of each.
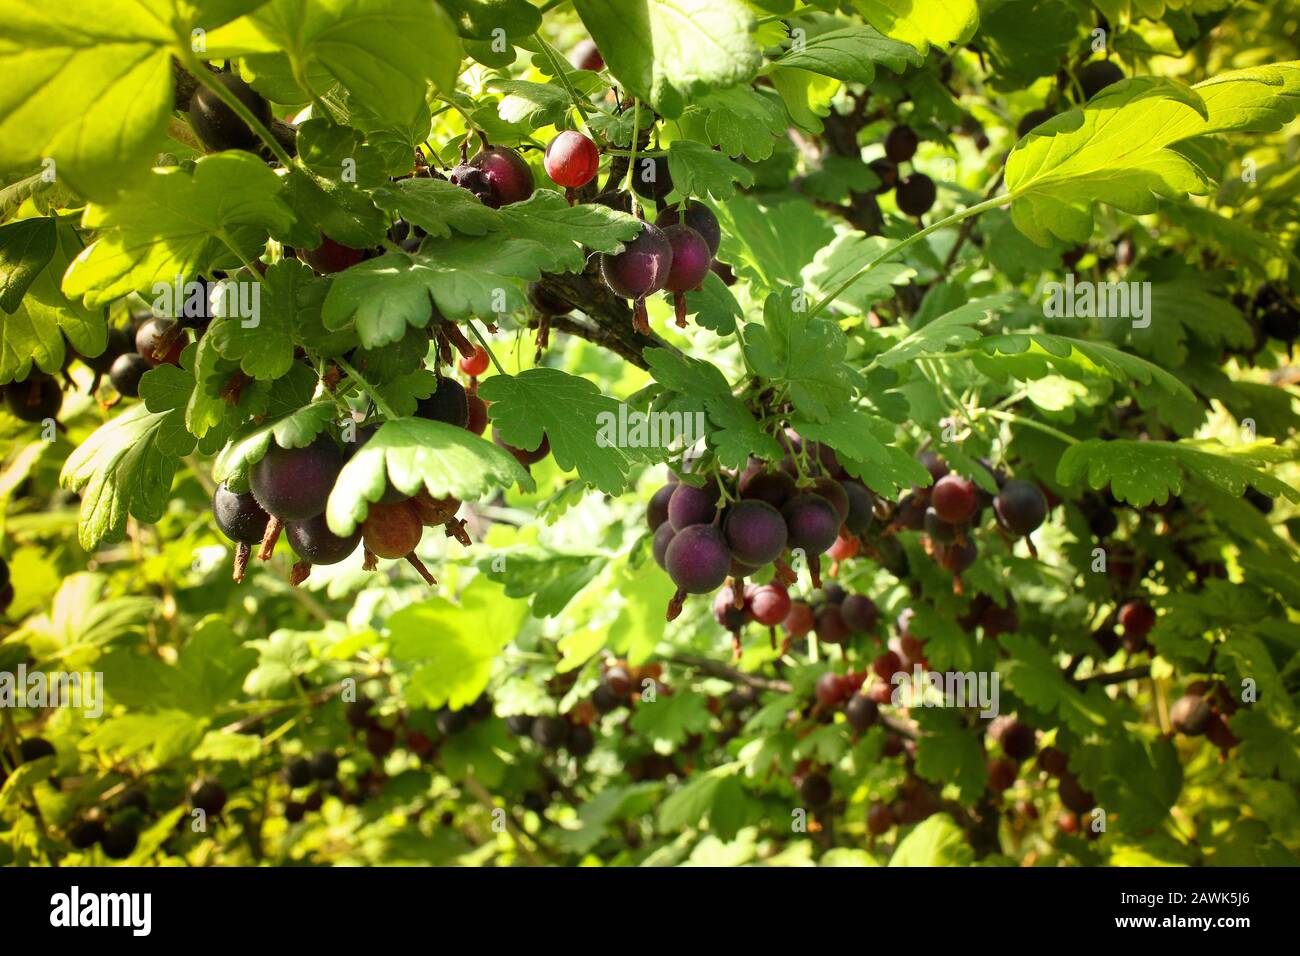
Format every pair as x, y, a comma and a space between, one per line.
698, 559
392, 531
690, 264
642, 268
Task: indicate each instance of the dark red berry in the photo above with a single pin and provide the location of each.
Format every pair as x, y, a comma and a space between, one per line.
219, 127
699, 217
831, 689
861, 712
886, 171
313, 541
815, 790
830, 625
526, 457
509, 178
954, 498
915, 194
586, 56
663, 537
1096, 76
1032, 120
239, 517
833, 491
1137, 618
1020, 507
812, 522
160, 341
208, 795
755, 532
690, 260
643, 265
1190, 715
331, 257
689, 505
126, 372
698, 559
901, 143
862, 506
799, 621
860, 613
34, 400
656, 513
769, 604
650, 177
774, 487
449, 403
295, 483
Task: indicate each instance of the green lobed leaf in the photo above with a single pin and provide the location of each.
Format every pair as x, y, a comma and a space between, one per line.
1116, 150
415, 453
384, 52
669, 52
178, 224
45, 322
921, 25
26, 247
699, 171
851, 54
572, 414
805, 353
1142, 472
125, 467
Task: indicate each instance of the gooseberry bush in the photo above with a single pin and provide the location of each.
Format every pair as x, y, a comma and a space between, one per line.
630, 432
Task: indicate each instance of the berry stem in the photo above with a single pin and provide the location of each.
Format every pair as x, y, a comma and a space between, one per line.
631, 171
573, 94
1030, 423
473, 327
914, 238
369, 389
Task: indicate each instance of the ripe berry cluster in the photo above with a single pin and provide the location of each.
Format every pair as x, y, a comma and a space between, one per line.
950, 510
914, 193
735, 526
